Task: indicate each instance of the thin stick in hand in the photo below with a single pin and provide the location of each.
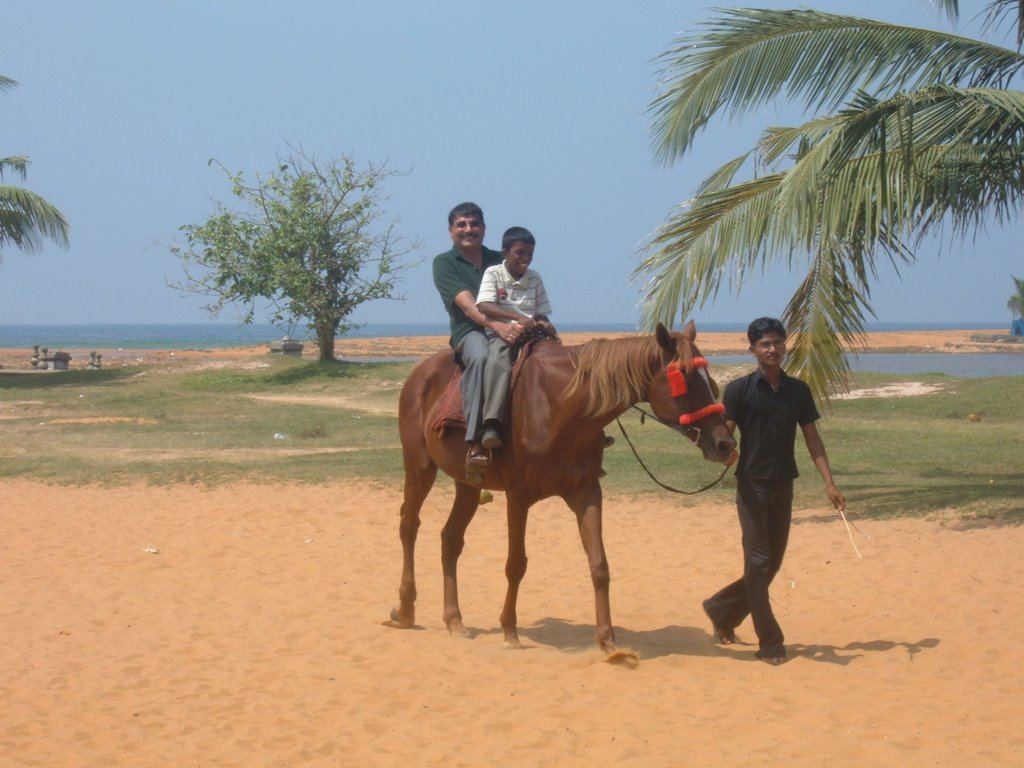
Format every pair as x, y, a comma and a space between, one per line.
850, 534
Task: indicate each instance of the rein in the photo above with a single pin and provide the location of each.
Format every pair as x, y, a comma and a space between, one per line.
678, 388
643, 417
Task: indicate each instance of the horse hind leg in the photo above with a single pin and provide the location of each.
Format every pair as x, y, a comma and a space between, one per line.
418, 482
453, 539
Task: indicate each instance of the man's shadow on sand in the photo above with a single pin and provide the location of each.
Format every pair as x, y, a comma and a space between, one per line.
674, 640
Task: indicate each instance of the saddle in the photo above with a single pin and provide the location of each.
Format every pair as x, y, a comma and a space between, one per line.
449, 413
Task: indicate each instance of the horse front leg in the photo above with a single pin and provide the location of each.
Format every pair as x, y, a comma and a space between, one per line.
515, 568
587, 506
453, 539
418, 483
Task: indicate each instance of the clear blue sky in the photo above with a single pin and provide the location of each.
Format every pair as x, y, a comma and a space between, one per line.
535, 110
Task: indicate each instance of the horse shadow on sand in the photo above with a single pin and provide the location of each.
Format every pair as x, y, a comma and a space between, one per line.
676, 640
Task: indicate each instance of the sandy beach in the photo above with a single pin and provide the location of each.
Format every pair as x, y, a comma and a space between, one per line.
242, 625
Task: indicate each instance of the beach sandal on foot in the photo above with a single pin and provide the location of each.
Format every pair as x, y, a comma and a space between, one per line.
773, 654
775, 658
477, 460
723, 635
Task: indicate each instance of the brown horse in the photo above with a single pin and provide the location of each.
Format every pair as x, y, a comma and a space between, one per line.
561, 402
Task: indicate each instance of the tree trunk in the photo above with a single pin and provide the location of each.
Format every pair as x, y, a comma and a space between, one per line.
325, 341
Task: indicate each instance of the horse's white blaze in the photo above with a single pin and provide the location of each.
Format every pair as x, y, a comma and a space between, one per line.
707, 382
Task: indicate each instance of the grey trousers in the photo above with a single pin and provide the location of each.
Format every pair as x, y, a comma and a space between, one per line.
472, 354
497, 380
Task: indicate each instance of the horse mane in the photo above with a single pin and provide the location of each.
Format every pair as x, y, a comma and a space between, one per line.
611, 374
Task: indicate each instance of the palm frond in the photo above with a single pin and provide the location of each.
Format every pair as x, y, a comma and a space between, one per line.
747, 57
1005, 11
26, 219
18, 165
1016, 302
900, 167
933, 156
719, 236
821, 323
725, 175
949, 7
924, 137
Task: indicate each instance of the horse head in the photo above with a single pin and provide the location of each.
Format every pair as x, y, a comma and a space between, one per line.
684, 396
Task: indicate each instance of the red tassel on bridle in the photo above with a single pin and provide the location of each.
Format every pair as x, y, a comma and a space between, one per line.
709, 410
676, 379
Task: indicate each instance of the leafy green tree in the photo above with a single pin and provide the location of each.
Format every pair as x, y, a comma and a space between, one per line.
1016, 302
26, 219
914, 130
309, 242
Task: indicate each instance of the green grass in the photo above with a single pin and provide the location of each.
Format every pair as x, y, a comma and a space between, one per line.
918, 455
166, 424
899, 456
892, 457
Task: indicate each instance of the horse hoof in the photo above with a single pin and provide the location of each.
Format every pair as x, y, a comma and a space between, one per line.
398, 621
457, 629
623, 656
512, 644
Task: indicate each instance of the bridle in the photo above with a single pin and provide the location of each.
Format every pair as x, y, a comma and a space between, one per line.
678, 388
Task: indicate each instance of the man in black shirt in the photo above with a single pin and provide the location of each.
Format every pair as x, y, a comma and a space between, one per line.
767, 406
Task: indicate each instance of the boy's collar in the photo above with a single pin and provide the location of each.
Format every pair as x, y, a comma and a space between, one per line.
510, 273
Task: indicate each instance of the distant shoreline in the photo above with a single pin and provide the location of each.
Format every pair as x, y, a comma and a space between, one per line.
175, 336
718, 343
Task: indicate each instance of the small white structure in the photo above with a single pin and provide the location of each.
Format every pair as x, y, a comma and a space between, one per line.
43, 360
286, 346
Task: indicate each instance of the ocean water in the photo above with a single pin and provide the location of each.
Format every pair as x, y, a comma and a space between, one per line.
219, 335
156, 336
965, 366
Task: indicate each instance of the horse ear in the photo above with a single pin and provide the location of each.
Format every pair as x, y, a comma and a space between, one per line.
665, 341
690, 331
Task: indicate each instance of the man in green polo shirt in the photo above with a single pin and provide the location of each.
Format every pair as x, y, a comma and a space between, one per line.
457, 275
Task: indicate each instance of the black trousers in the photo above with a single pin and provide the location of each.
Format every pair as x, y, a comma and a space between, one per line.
765, 510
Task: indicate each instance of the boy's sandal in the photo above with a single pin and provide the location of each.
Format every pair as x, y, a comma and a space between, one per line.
477, 460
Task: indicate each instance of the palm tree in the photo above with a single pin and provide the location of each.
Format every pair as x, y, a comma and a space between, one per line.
1016, 302
917, 131
25, 217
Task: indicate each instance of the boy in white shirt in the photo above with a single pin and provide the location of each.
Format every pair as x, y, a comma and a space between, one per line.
509, 291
